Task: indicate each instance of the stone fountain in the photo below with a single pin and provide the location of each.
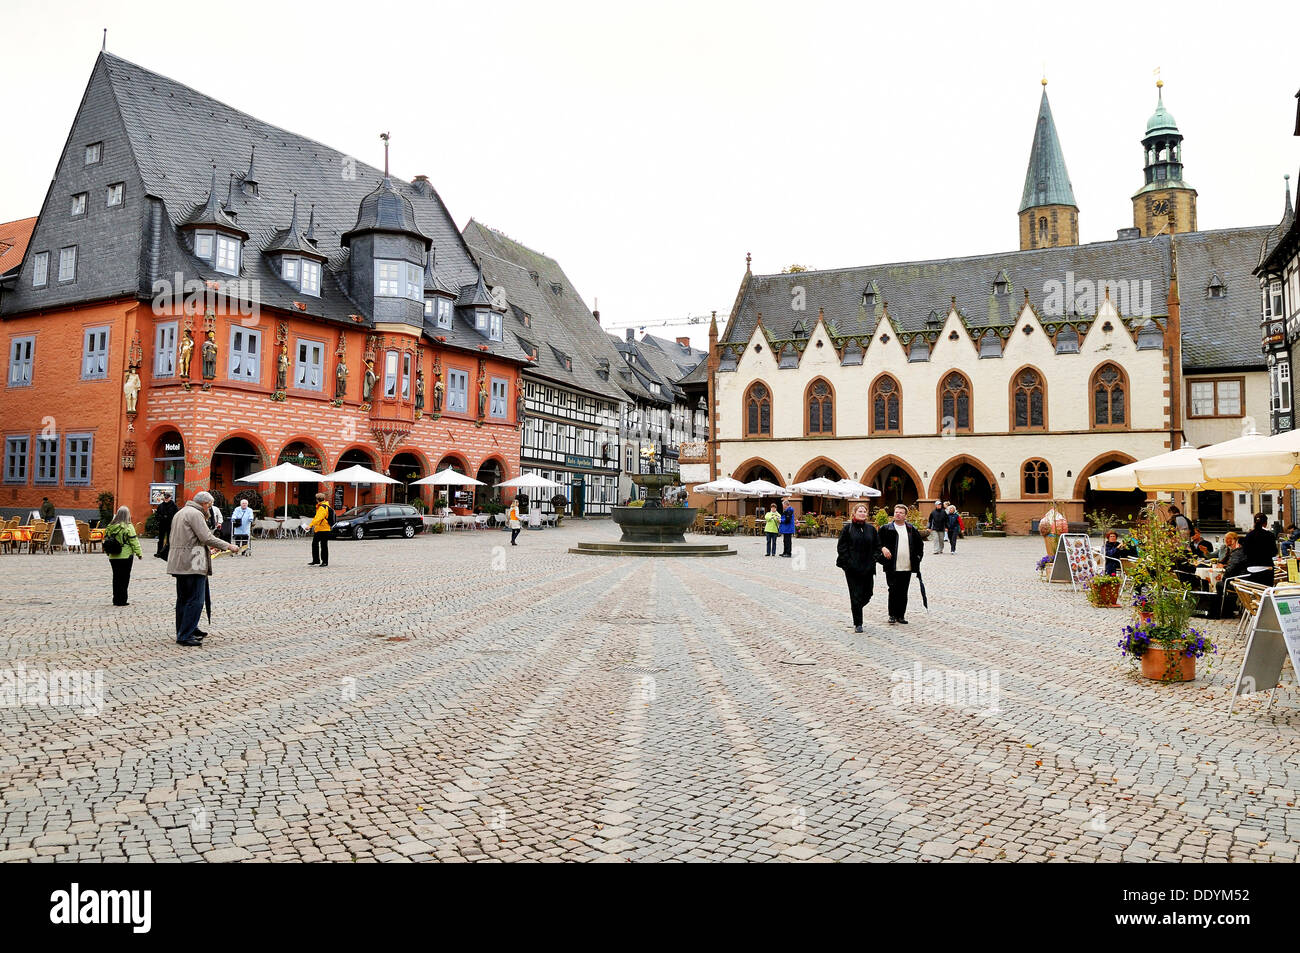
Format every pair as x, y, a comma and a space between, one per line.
654, 529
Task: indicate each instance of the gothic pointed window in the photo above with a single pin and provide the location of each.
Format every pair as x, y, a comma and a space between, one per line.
1037, 478
885, 406
758, 411
1042, 229
955, 404
1109, 404
821, 409
1028, 400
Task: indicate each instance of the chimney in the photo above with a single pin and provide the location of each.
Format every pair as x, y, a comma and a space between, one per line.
596, 314
1127, 234
684, 342
631, 335
421, 184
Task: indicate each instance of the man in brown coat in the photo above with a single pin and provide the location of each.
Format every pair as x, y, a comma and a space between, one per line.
191, 563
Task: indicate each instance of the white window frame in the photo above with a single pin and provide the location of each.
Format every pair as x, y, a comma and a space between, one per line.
228, 250
245, 362
310, 278
116, 190
40, 269
1283, 369
21, 360
444, 313
388, 278
406, 375
499, 403
67, 263
164, 349
457, 396
45, 461
16, 463
428, 307
289, 269
77, 458
414, 282
202, 239
494, 326
94, 153
390, 375
94, 354
78, 207
309, 374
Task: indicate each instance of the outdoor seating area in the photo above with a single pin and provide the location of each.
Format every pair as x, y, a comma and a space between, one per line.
39, 536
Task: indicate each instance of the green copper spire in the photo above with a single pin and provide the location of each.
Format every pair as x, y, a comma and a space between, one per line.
1046, 181
1161, 122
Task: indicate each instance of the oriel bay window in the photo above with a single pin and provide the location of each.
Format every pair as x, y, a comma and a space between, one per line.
821, 409
954, 404
1028, 400
758, 411
390, 375
1109, 403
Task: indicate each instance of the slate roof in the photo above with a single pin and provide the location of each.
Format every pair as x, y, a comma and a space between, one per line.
1046, 180
661, 361
560, 320
508, 264
14, 237
173, 136
913, 290
1220, 333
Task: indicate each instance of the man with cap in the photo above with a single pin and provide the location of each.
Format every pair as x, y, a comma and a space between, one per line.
164, 513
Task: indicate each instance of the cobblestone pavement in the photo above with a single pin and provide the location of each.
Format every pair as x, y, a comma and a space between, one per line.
453, 698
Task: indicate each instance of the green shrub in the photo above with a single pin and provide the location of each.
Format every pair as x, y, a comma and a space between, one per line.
106, 508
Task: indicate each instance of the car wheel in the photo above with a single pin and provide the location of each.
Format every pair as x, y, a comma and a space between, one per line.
358, 533
408, 530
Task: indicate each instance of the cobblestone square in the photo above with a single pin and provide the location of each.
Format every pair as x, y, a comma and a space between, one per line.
453, 698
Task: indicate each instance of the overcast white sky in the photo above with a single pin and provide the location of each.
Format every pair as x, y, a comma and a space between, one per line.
648, 146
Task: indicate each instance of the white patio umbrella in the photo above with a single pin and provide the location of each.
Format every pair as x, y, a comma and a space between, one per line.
1272, 462
762, 488
449, 477
529, 481
724, 486
1182, 469
357, 475
852, 489
285, 473
818, 486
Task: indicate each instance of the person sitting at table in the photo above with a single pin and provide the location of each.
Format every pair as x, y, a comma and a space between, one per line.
1261, 546
1234, 568
1185, 569
1286, 542
1198, 547
1114, 550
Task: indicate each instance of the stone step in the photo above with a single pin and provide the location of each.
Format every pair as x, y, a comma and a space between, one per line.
652, 549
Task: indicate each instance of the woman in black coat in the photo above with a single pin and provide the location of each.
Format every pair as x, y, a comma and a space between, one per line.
859, 551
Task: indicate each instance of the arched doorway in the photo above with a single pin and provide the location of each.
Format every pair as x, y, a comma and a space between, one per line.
302, 454
490, 473
363, 493
748, 473
968, 488
1119, 505
896, 485
235, 457
405, 467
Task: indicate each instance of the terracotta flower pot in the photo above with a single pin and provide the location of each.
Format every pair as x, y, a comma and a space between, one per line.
1167, 665
1146, 618
1107, 597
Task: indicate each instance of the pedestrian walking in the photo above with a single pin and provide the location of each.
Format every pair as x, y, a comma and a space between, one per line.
122, 547
164, 514
938, 523
901, 552
48, 512
320, 532
512, 520
241, 525
190, 562
786, 527
954, 529
771, 523
858, 553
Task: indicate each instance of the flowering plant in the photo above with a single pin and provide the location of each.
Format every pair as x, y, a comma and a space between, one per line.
1044, 562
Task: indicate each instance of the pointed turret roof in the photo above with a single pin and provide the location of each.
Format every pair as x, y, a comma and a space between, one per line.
432, 283
210, 214
291, 241
476, 295
1046, 181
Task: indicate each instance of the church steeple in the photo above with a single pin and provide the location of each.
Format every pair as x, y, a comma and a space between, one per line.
1049, 216
1165, 204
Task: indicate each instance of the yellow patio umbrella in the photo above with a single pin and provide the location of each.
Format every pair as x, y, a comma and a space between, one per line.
1182, 469
1270, 462
1124, 479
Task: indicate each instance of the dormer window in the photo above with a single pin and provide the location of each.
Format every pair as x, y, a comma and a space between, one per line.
289, 270
800, 329
1215, 289
919, 351
443, 310
1067, 341
228, 251
869, 295
1001, 284
203, 245
310, 278
494, 326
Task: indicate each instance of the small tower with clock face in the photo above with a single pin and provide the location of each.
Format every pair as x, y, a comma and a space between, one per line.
1165, 204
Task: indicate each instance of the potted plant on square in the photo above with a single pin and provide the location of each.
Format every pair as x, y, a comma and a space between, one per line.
1166, 647
1103, 591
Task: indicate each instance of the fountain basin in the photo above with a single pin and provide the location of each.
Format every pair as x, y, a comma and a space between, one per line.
653, 524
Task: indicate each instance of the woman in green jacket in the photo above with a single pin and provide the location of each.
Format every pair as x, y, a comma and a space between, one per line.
122, 546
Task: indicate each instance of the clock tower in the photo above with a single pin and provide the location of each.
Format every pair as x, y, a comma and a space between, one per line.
1165, 204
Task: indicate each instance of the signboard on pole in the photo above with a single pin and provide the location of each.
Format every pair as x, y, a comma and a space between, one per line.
1073, 562
156, 491
1274, 636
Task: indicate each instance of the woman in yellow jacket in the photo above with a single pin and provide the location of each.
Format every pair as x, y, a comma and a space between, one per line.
320, 533
512, 519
